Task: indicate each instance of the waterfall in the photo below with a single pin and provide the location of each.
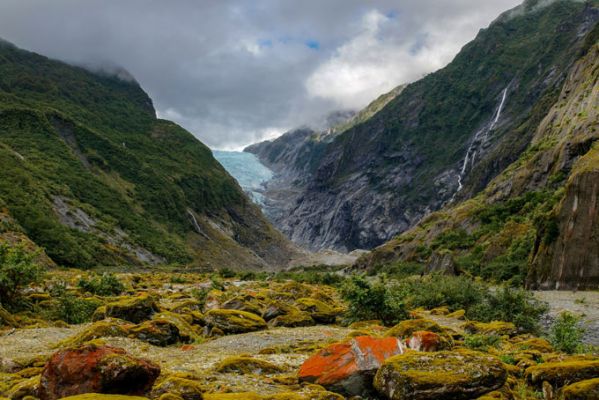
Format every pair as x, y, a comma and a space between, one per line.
195, 223
479, 138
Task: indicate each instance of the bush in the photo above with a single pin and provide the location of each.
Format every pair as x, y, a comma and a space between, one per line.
104, 285
17, 270
440, 290
481, 342
566, 333
512, 305
72, 309
373, 301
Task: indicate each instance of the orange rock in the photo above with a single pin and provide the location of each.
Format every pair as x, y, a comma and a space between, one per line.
95, 369
424, 341
349, 367
187, 347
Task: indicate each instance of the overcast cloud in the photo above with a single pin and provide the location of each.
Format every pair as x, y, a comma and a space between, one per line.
234, 72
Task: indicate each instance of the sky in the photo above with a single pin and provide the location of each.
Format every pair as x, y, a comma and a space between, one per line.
235, 72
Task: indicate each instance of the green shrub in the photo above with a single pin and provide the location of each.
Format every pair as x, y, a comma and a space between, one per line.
17, 270
227, 273
373, 300
509, 304
400, 270
481, 342
104, 285
200, 295
72, 309
566, 333
440, 290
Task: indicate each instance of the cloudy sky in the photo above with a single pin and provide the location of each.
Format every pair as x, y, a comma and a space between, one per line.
234, 72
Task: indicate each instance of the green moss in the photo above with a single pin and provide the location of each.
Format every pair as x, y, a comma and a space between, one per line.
491, 328
134, 309
98, 396
100, 329
184, 388
318, 310
560, 373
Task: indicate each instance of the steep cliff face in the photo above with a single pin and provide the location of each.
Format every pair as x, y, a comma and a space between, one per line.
538, 220
91, 175
443, 138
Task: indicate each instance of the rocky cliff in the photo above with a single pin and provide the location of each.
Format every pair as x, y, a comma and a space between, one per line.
90, 174
441, 140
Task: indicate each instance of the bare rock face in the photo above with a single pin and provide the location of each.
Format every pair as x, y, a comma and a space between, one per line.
571, 260
95, 369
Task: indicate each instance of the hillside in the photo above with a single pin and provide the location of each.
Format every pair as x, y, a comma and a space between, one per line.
537, 222
93, 177
443, 138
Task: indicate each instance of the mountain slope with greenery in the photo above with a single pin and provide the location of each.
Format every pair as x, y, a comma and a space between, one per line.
444, 137
94, 178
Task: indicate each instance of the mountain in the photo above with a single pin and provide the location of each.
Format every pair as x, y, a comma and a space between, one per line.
538, 221
93, 177
441, 140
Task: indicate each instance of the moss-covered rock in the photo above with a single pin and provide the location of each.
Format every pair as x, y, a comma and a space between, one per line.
318, 310
133, 309
245, 303
158, 332
491, 328
293, 319
559, 374
110, 327
583, 390
458, 375
247, 365
234, 321
185, 306
184, 388
406, 328
538, 344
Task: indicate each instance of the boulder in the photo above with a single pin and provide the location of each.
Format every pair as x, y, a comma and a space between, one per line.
26, 388
561, 373
293, 319
234, 321
133, 309
318, 310
184, 388
583, 390
245, 303
95, 369
247, 365
348, 367
158, 332
445, 375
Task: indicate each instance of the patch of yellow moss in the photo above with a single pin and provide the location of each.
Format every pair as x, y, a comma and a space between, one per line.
110, 327
234, 321
318, 310
560, 373
99, 396
490, 328
174, 385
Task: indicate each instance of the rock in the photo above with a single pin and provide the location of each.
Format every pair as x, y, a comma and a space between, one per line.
537, 344
406, 328
445, 375
293, 319
6, 318
492, 328
158, 332
184, 307
458, 314
110, 327
348, 367
133, 309
425, 341
245, 303
561, 373
319, 311
233, 321
442, 262
583, 390
95, 369
247, 365
184, 388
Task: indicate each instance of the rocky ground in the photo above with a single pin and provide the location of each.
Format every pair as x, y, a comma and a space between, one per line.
188, 338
